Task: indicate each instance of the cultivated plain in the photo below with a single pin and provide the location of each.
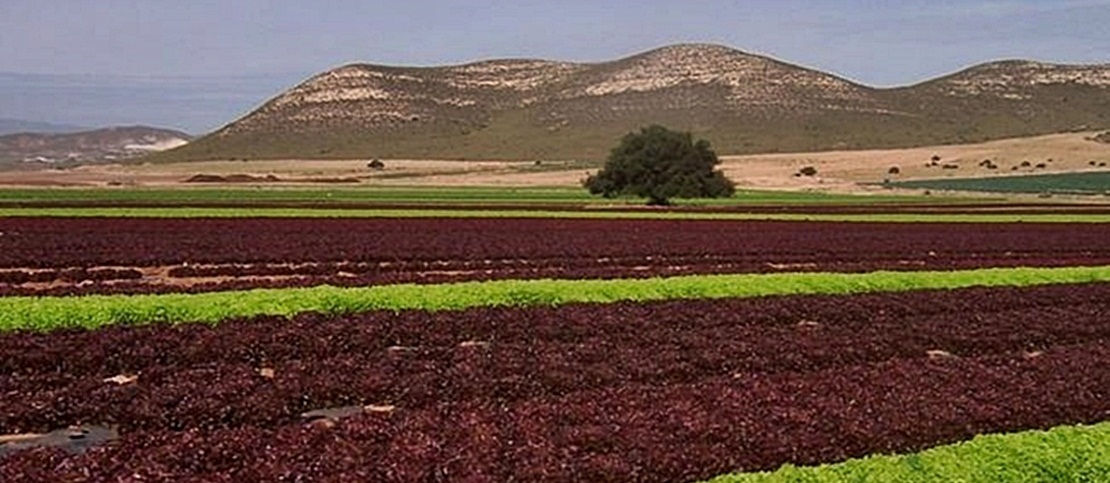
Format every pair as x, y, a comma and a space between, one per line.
296, 314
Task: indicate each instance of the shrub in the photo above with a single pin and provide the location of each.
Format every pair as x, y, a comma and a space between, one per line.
659, 164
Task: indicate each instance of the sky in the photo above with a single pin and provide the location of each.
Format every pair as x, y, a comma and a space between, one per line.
198, 64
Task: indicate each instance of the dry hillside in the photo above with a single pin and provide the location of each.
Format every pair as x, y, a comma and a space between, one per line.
744, 103
95, 145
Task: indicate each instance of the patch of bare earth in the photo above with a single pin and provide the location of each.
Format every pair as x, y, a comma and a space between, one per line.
837, 171
218, 274
844, 171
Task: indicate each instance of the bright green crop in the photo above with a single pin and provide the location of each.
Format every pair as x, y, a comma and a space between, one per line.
249, 212
47, 313
1063, 454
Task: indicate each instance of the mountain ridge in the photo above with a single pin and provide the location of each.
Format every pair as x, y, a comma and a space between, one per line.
109, 143
17, 126
742, 102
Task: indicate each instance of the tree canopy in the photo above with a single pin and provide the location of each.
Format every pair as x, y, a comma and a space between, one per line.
660, 164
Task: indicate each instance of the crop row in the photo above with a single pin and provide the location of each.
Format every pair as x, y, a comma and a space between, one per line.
665, 391
79, 242
556, 351
442, 212
54, 313
1065, 453
71, 275
680, 432
224, 277
585, 205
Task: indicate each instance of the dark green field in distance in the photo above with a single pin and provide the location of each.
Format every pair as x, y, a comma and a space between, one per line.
1085, 183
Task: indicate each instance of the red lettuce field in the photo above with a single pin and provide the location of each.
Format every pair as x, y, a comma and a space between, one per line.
62, 256
670, 391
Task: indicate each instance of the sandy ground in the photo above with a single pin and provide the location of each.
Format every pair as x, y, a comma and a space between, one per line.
842, 170
294, 172
837, 171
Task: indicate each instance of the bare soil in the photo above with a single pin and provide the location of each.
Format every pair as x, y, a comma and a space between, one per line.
837, 171
842, 171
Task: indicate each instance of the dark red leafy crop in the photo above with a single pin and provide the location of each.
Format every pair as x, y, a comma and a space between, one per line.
220, 254
668, 391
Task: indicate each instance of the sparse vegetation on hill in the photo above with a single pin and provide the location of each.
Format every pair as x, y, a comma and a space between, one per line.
94, 145
742, 103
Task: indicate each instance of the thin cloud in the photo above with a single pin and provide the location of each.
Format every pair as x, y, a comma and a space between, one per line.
1013, 8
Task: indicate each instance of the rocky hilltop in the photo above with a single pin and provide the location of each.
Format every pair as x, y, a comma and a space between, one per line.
106, 144
530, 109
1017, 80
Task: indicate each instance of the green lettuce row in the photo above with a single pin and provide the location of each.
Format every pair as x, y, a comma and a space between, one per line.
48, 313
1065, 453
246, 212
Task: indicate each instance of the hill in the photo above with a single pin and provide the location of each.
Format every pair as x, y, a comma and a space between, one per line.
743, 103
95, 145
13, 126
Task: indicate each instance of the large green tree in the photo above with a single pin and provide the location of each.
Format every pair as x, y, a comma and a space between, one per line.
660, 164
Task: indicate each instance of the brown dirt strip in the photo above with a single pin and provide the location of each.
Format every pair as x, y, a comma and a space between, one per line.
654, 392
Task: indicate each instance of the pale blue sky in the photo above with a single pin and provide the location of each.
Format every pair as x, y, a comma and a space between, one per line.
196, 64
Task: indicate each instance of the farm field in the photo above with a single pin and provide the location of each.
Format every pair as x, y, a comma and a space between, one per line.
57, 256
371, 242
500, 202
529, 202
539, 347
904, 214
385, 196
840, 173
595, 391
1060, 454
1087, 183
